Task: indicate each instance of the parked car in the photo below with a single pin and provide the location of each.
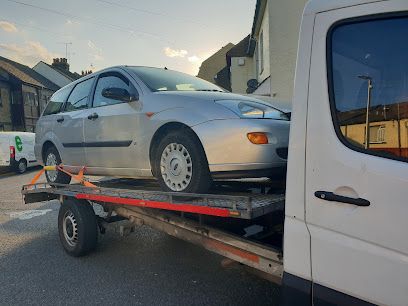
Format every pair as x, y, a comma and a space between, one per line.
142, 122
17, 151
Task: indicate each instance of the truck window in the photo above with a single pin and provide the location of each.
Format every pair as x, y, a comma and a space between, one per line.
368, 85
57, 100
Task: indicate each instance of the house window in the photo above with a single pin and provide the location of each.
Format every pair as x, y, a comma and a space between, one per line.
261, 53
30, 99
377, 134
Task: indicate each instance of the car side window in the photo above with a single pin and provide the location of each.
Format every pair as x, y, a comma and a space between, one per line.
56, 101
368, 80
111, 80
78, 99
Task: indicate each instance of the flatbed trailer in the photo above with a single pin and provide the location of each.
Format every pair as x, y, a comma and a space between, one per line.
208, 220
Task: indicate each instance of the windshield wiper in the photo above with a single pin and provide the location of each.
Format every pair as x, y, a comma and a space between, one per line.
213, 90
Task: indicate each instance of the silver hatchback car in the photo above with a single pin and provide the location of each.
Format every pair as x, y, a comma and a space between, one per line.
141, 122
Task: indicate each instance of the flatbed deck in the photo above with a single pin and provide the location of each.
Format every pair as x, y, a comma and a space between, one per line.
235, 199
141, 202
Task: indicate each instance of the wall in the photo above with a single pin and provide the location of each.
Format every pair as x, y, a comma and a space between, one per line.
5, 112
51, 74
284, 24
356, 133
241, 74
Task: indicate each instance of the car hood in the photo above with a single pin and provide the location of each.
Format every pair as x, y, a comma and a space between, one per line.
209, 96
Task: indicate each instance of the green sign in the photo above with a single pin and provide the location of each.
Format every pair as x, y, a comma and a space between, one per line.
19, 144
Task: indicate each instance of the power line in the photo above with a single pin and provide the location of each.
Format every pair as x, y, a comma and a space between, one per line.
94, 21
150, 12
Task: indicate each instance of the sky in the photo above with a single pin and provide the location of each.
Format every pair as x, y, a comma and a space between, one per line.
177, 34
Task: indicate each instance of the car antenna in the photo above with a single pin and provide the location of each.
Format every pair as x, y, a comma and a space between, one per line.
165, 68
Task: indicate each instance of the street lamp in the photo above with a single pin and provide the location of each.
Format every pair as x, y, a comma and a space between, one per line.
369, 88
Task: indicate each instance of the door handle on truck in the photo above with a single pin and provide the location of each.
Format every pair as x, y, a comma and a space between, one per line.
332, 197
93, 116
60, 119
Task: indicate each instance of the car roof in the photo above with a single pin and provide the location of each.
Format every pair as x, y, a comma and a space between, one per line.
318, 6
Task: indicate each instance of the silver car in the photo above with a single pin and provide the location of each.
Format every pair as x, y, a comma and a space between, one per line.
142, 122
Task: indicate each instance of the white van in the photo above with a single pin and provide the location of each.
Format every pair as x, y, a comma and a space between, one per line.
17, 150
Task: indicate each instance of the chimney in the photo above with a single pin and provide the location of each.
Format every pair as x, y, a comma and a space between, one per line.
60, 63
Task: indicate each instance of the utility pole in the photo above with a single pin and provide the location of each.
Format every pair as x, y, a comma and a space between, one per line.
367, 124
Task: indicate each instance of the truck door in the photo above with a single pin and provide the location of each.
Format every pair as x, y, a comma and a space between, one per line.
357, 154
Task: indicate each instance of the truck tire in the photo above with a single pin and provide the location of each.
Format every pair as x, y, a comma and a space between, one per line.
180, 163
77, 227
52, 158
21, 166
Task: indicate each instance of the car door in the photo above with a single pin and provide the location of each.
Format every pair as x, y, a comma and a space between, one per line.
357, 182
112, 128
69, 124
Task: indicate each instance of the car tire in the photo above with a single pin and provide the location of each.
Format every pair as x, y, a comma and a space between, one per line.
77, 227
52, 158
180, 163
21, 166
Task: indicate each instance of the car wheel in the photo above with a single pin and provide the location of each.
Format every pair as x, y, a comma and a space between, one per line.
21, 166
52, 158
180, 164
77, 227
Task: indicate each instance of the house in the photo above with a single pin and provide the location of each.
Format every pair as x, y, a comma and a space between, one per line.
214, 64
275, 33
58, 71
241, 66
23, 95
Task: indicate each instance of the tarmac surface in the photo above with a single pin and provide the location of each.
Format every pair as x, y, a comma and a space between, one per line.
145, 268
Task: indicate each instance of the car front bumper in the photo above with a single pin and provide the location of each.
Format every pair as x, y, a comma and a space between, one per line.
230, 154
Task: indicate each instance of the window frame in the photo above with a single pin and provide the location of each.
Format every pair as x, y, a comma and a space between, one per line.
63, 107
330, 82
107, 74
62, 102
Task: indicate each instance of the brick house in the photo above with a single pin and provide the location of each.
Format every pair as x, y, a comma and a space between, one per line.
23, 95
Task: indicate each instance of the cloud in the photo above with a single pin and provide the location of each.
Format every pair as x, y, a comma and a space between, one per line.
174, 53
194, 59
28, 53
8, 26
96, 52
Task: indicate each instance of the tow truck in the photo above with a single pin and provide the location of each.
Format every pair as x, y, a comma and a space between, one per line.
336, 234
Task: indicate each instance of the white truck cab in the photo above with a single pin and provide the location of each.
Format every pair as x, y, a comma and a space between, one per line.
347, 184
17, 150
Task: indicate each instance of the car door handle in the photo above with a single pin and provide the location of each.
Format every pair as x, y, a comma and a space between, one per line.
332, 197
60, 119
93, 116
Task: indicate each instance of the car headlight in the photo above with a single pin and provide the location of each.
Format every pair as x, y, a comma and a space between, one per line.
254, 110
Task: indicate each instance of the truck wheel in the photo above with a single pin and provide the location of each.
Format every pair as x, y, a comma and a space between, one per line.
52, 158
21, 166
77, 227
180, 163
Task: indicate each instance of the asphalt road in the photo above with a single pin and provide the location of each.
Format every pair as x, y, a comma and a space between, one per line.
145, 268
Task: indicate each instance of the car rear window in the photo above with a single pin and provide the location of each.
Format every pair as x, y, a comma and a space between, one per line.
57, 100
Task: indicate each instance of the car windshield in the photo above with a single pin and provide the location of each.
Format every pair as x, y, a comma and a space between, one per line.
159, 79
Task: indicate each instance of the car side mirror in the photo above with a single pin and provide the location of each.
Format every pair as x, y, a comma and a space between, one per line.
119, 94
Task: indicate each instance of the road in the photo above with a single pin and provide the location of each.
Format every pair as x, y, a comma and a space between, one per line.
145, 268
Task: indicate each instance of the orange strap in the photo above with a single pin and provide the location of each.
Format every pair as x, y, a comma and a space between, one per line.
78, 177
